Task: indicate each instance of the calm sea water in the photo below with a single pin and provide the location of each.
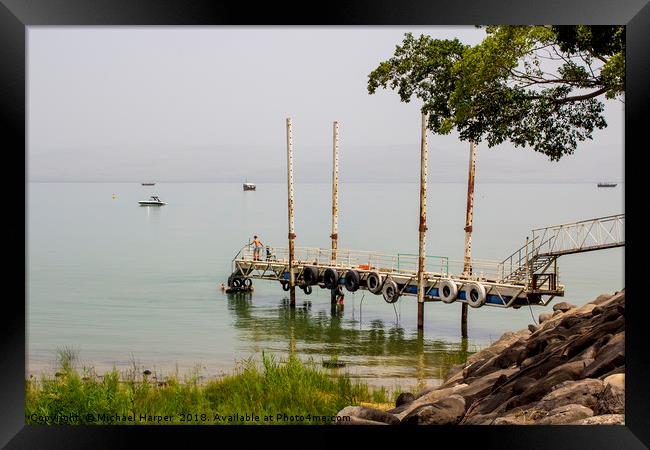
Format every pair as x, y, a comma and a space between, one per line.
122, 283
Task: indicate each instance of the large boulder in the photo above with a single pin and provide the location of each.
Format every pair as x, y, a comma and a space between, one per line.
446, 411
563, 306
363, 412
430, 397
611, 401
609, 357
582, 392
605, 419
482, 386
404, 398
566, 414
617, 380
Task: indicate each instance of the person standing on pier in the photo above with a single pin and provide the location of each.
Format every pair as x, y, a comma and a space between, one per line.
257, 248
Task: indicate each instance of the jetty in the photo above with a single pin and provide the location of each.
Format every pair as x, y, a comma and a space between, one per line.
528, 276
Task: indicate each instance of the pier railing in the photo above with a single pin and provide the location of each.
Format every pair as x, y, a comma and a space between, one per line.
401, 263
582, 236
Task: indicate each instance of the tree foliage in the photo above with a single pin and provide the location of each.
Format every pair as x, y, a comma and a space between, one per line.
535, 86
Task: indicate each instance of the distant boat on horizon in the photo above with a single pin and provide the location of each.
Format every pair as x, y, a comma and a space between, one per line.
148, 184
606, 184
249, 186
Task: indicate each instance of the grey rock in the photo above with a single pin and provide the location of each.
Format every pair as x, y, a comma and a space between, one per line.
565, 415
522, 384
483, 385
574, 368
605, 419
617, 380
353, 420
426, 399
601, 299
446, 411
609, 357
543, 317
582, 392
363, 412
563, 306
404, 398
611, 401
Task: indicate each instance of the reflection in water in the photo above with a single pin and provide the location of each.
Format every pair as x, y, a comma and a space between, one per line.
375, 350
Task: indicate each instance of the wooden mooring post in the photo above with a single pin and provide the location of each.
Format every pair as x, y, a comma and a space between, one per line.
292, 235
423, 219
335, 198
467, 260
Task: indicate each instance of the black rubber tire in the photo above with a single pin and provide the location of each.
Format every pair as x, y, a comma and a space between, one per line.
310, 275
352, 280
307, 289
374, 282
247, 282
390, 291
236, 282
330, 278
285, 285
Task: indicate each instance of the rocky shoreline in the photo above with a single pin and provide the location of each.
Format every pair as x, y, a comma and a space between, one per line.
569, 369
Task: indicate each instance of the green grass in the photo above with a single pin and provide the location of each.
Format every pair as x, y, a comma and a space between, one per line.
276, 392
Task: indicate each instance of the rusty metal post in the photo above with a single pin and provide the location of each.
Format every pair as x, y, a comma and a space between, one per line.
467, 260
423, 219
335, 191
292, 235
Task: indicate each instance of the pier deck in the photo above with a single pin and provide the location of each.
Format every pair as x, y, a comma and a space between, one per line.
393, 276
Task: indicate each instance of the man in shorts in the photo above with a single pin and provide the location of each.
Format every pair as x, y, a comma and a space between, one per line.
257, 248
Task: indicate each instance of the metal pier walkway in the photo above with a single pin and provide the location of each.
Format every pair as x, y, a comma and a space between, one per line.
528, 276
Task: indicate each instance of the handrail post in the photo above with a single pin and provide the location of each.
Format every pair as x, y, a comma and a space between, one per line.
527, 266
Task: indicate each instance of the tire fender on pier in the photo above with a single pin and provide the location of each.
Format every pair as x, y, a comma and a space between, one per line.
352, 280
330, 278
447, 291
374, 282
475, 294
307, 289
390, 291
285, 285
310, 275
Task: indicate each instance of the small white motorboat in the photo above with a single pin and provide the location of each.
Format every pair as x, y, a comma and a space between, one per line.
153, 201
249, 186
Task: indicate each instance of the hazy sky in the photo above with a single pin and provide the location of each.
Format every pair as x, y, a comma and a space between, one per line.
210, 103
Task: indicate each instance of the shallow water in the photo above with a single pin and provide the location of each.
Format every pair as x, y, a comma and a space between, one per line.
123, 283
